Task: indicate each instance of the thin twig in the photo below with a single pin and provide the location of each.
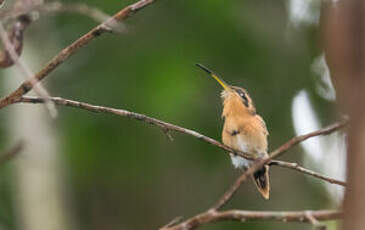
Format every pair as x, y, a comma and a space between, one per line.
86, 10
301, 169
55, 7
79, 8
67, 52
172, 222
9, 154
26, 72
168, 134
243, 216
314, 221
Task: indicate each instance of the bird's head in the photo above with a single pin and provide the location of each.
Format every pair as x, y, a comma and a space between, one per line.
232, 95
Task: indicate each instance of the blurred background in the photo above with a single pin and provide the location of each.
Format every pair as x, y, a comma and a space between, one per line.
98, 171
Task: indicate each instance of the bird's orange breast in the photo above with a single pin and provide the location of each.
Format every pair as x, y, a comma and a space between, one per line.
244, 130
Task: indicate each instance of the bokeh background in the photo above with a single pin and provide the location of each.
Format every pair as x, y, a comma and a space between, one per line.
109, 172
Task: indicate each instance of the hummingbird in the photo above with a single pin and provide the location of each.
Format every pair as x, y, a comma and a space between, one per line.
243, 130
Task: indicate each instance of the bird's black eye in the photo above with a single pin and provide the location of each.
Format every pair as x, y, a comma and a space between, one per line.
243, 96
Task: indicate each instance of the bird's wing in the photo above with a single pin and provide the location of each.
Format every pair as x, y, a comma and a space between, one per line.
263, 124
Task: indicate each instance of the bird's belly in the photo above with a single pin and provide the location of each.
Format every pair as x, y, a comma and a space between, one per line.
237, 161
240, 162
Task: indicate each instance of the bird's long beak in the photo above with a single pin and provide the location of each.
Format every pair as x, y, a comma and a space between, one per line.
215, 76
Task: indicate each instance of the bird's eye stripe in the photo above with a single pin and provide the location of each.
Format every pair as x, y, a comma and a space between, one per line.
243, 96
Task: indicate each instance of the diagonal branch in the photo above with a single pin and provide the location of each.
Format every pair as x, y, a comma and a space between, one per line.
67, 52
274, 154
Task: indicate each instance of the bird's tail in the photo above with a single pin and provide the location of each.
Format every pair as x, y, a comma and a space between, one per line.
261, 179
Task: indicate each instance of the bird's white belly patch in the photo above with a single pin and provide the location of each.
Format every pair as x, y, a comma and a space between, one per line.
240, 162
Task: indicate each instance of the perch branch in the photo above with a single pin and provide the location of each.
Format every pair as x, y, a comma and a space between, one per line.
166, 127
67, 52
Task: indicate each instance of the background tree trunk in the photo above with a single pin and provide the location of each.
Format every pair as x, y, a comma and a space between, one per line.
40, 189
344, 39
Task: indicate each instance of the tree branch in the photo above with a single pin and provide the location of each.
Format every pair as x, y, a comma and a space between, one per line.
211, 216
26, 86
297, 167
314, 221
166, 127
